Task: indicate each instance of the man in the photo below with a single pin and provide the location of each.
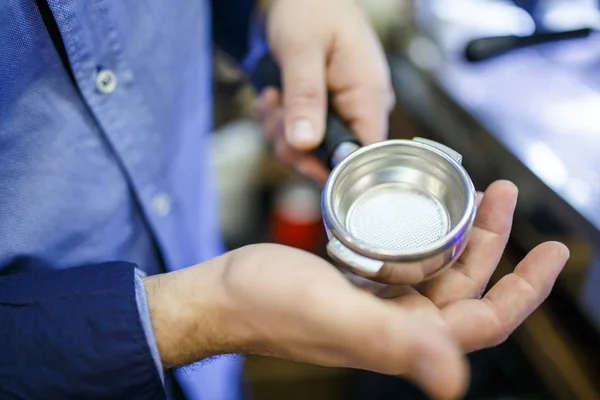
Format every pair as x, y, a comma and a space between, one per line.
106, 198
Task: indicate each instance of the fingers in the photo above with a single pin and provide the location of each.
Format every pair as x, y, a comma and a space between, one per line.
469, 276
479, 199
366, 111
477, 324
319, 317
313, 168
271, 111
305, 164
304, 94
349, 63
360, 82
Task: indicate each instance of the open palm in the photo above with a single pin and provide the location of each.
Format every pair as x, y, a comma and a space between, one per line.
288, 303
454, 298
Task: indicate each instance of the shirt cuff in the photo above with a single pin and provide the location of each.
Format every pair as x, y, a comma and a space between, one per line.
142, 304
74, 333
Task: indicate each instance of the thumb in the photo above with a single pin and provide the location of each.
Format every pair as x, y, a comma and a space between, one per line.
304, 94
394, 342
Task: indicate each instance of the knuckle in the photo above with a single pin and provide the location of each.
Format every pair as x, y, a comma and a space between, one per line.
386, 93
382, 94
501, 330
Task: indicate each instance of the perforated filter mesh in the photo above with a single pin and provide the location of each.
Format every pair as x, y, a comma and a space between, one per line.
395, 218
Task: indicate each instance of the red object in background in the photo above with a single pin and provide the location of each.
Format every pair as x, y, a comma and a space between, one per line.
296, 218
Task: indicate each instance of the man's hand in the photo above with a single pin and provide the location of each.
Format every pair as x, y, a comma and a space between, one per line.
276, 301
323, 47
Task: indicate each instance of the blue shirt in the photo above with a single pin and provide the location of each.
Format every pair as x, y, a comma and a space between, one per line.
105, 111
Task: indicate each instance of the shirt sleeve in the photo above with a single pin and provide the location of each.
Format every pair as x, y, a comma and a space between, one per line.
142, 304
74, 333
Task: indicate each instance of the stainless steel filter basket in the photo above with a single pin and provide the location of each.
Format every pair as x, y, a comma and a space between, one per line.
398, 211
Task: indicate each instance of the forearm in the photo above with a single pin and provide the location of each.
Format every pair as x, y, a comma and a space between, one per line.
186, 308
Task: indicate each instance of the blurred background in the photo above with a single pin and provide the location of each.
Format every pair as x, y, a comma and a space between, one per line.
521, 104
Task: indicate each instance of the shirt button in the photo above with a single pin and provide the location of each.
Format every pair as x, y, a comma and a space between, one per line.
161, 202
106, 81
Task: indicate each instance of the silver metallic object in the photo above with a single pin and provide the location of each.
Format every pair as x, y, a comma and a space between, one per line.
398, 211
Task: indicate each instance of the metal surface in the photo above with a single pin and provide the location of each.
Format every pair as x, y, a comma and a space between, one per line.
451, 152
377, 215
398, 211
343, 151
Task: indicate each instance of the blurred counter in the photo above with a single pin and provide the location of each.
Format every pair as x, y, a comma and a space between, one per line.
533, 113
531, 116
545, 112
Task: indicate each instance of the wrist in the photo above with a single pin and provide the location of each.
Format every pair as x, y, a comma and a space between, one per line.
185, 309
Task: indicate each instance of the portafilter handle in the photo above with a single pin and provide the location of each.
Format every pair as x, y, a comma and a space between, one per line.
339, 141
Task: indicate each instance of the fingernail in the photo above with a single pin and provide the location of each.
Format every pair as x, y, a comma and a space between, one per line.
303, 132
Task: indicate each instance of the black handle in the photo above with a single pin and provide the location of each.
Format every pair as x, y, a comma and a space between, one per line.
485, 48
337, 132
